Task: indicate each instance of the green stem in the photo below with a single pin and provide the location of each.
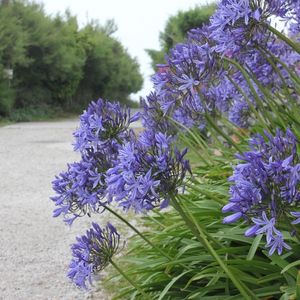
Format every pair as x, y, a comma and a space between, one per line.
273, 106
284, 38
218, 130
275, 68
197, 139
137, 232
256, 113
211, 121
259, 102
142, 236
214, 240
208, 194
138, 288
276, 59
199, 234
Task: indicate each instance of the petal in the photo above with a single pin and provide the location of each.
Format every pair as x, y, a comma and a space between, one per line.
232, 218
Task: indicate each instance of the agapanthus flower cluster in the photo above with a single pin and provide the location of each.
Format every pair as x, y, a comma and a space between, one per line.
239, 29
148, 171
92, 253
139, 172
82, 189
266, 188
181, 86
196, 80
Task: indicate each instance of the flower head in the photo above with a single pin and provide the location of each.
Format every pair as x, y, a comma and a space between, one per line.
104, 127
155, 112
147, 171
266, 187
92, 253
236, 23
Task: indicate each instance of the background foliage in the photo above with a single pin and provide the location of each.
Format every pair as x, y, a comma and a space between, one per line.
57, 65
176, 28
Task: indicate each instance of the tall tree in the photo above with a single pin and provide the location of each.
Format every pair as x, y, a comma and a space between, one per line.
176, 28
109, 71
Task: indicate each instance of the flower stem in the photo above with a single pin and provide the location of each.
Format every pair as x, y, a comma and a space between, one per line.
197, 139
253, 109
137, 232
279, 61
142, 236
206, 193
261, 105
218, 130
284, 38
200, 235
138, 288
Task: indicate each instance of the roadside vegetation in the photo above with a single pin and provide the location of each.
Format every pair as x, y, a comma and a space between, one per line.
51, 67
176, 30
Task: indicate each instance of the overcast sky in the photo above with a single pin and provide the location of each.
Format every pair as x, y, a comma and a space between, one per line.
139, 22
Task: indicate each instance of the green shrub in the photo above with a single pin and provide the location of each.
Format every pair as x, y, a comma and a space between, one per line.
176, 29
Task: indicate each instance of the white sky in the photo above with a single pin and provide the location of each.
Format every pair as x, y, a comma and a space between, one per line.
139, 23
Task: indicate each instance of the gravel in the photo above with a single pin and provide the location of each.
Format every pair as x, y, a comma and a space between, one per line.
34, 247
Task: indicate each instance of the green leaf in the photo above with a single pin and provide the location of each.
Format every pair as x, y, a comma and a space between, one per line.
269, 277
298, 286
254, 247
205, 274
169, 285
293, 264
279, 261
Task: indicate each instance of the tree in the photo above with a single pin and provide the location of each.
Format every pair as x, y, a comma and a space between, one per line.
12, 53
177, 27
55, 67
109, 71
58, 65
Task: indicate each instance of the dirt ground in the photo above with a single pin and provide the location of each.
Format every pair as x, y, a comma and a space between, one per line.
34, 247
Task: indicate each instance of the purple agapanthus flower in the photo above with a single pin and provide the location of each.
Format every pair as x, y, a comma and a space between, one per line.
240, 113
155, 112
92, 253
81, 190
187, 83
266, 188
147, 171
237, 22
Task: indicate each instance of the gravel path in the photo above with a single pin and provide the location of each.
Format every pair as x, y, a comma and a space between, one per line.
34, 247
